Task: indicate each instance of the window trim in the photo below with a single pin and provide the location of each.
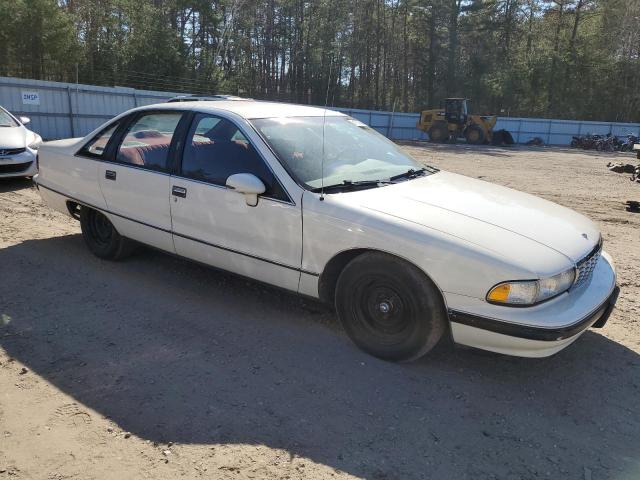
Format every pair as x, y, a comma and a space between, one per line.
180, 156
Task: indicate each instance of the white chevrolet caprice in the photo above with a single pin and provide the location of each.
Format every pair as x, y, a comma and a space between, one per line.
318, 203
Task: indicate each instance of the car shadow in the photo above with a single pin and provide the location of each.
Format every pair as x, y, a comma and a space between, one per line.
176, 352
14, 184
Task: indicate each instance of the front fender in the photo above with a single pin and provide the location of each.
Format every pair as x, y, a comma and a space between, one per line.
454, 264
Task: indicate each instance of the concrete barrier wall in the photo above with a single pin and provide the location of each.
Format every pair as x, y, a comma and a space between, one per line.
62, 110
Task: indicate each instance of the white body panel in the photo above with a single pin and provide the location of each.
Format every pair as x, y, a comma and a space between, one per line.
465, 234
215, 225
139, 203
506, 344
77, 178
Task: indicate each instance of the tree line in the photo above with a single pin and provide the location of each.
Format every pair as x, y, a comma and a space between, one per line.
548, 58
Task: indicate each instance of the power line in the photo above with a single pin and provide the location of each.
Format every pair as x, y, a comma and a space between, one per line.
159, 83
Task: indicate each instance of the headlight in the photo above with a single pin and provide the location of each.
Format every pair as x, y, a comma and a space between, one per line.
530, 292
36, 143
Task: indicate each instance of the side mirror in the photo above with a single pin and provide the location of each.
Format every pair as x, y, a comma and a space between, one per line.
247, 184
24, 120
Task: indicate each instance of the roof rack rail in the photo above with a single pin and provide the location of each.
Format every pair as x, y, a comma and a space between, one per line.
205, 98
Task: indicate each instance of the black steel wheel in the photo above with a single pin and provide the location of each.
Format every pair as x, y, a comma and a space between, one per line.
101, 236
389, 308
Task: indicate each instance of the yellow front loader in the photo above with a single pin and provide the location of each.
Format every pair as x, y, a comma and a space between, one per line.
454, 121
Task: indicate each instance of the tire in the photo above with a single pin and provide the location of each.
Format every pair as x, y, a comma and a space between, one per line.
507, 138
438, 133
474, 135
389, 308
101, 236
498, 138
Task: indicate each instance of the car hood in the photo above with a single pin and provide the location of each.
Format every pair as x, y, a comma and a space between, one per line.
14, 137
454, 204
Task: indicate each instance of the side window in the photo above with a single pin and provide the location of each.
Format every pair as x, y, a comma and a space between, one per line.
98, 144
147, 141
216, 149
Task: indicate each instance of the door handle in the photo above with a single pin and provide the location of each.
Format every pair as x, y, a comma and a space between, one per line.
110, 175
179, 192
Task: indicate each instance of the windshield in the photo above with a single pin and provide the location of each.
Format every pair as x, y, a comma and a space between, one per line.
6, 120
353, 152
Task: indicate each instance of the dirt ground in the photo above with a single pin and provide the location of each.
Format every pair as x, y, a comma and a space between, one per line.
158, 368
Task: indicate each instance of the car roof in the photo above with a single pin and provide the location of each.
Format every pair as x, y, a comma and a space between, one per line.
249, 109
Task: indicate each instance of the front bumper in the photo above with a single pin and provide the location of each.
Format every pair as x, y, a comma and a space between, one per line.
542, 330
21, 165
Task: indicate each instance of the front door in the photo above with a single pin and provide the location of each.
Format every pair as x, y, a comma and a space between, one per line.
213, 224
137, 182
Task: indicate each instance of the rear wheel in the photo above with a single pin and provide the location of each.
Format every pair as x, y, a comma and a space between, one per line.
439, 133
474, 135
389, 308
101, 236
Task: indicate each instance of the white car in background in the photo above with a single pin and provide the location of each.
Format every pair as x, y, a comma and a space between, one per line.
318, 203
18, 147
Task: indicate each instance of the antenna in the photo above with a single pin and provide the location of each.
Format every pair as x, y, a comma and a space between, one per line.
324, 122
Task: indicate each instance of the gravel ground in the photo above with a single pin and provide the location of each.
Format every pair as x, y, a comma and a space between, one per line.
159, 368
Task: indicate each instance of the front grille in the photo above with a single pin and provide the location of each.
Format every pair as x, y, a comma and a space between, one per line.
587, 265
14, 167
5, 152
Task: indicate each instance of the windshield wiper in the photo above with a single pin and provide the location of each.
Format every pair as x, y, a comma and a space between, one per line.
348, 185
411, 173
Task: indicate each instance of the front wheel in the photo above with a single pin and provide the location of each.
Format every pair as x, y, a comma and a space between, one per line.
389, 308
439, 133
101, 236
474, 135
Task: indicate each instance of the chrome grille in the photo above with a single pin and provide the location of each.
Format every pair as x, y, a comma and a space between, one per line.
586, 266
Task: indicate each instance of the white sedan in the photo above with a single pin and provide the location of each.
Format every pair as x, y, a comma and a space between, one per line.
318, 203
18, 147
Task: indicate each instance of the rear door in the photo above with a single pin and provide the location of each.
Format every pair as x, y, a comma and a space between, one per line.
213, 224
136, 180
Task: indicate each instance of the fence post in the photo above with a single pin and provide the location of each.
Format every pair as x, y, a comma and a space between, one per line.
519, 130
73, 131
390, 125
135, 99
549, 132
